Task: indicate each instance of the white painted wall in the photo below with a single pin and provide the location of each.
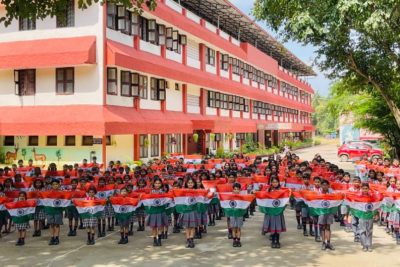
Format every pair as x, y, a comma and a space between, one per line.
87, 88
174, 99
224, 113
194, 63
235, 77
211, 111
224, 73
150, 48
211, 27
246, 115
119, 37
236, 114
193, 17
173, 56
173, 5
211, 69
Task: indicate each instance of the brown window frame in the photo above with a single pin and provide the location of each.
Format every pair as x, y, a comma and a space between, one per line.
86, 140
143, 150
31, 140
113, 81
143, 86
25, 82
155, 145
64, 82
210, 56
69, 17
68, 142
7, 142
125, 83
50, 140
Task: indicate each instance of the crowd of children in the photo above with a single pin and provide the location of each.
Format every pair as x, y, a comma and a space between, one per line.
239, 176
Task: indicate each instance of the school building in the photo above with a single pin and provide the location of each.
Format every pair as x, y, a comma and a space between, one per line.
186, 78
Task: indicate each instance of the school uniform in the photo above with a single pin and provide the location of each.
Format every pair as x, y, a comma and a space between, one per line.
274, 223
236, 222
90, 222
365, 231
157, 220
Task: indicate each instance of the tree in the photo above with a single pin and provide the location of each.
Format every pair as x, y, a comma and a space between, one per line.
40, 9
325, 122
356, 39
369, 110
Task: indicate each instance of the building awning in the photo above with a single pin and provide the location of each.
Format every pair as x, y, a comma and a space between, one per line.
223, 124
89, 120
45, 53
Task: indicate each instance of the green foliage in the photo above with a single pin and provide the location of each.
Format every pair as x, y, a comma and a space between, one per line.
355, 40
23, 153
195, 137
58, 154
324, 121
220, 153
2, 157
212, 136
45, 8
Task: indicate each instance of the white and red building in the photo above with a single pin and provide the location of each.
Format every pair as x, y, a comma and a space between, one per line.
110, 83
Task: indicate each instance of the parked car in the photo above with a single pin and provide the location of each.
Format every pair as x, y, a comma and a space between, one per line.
373, 143
355, 150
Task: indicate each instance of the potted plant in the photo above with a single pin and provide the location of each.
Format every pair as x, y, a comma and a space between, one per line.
212, 137
58, 155
195, 137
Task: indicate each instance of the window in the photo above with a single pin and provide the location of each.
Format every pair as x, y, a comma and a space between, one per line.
26, 24
112, 81
65, 81
143, 83
68, 17
51, 140
70, 140
178, 141
168, 40
224, 62
152, 31
157, 89
25, 82
143, 143
170, 143
143, 30
211, 99
125, 83
9, 141
112, 16
135, 84
235, 66
121, 19
33, 140
155, 145
210, 56
175, 42
135, 24
87, 140
161, 34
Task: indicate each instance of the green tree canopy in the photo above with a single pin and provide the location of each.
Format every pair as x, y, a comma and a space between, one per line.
355, 39
40, 9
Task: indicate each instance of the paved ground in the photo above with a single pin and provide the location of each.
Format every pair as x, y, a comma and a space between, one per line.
213, 250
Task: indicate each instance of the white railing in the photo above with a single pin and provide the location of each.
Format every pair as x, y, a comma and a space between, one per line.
211, 69
193, 17
211, 27
173, 56
224, 73
236, 114
235, 41
211, 111
173, 5
246, 115
246, 81
194, 63
235, 77
224, 113
150, 48
119, 37
224, 35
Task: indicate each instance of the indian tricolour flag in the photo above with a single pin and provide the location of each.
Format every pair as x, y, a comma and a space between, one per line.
90, 208
55, 201
388, 201
3, 210
104, 192
124, 206
235, 205
156, 203
363, 207
321, 204
293, 183
21, 211
187, 200
272, 203
260, 182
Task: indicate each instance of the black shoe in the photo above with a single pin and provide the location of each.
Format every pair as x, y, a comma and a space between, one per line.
323, 246
166, 235
199, 235
312, 233
126, 240
239, 244
48, 226
234, 244
162, 236
305, 233
317, 238
191, 243
89, 242
329, 246
356, 239
121, 241
155, 243
277, 245
19, 242
39, 233
22, 241
175, 230
56, 241
92, 242
159, 242
35, 234
230, 236
70, 233
273, 244
299, 226
74, 232
52, 240
251, 213
218, 218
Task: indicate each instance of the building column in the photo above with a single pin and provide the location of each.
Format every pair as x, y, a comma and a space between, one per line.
162, 144
136, 42
218, 63
184, 144
163, 51
184, 54
202, 55
104, 151
203, 100
251, 109
184, 98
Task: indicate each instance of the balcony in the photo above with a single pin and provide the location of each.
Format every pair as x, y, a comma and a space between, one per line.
171, 55
151, 48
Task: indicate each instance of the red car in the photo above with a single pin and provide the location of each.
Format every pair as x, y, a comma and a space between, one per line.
357, 150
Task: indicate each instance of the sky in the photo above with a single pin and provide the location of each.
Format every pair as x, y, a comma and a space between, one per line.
306, 53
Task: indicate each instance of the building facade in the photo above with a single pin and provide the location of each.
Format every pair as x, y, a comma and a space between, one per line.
186, 78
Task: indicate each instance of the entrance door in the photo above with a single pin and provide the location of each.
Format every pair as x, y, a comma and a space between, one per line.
268, 138
196, 147
275, 138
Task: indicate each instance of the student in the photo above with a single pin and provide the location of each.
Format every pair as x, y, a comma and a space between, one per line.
202, 215
176, 185
274, 224
40, 216
354, 220
140, 214
317, 188
305, 218
3, 213
190, 220
344, 210
101, 224
56, 219
90, 222
124, 223
72, 212
157, 221
366, 225
236, 223
325, 221
21, 227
